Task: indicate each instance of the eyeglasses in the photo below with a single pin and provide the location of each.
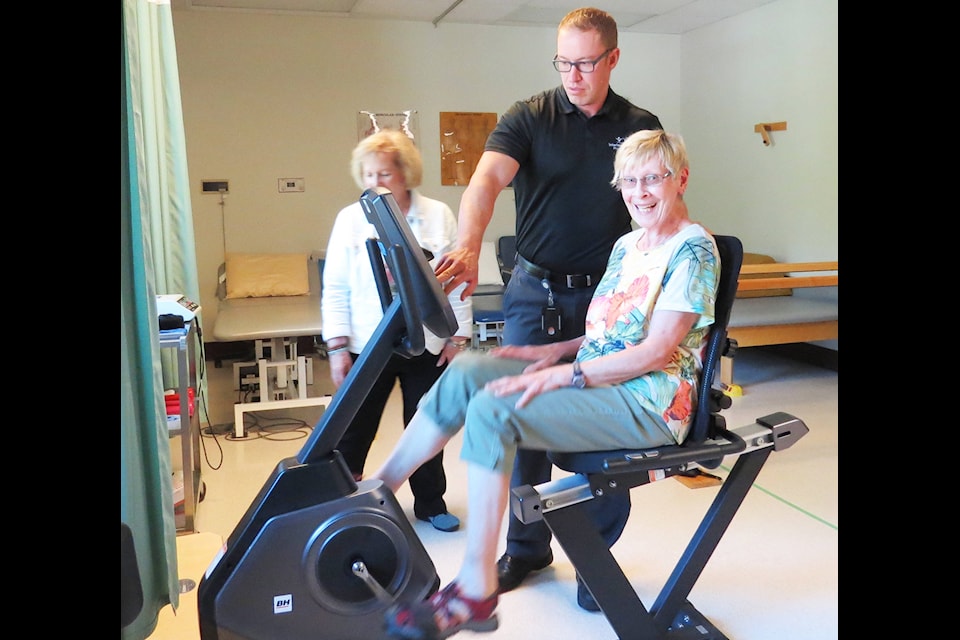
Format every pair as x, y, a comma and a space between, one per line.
583, 66
650, 180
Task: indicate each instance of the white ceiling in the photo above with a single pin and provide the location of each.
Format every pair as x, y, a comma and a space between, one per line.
636, 16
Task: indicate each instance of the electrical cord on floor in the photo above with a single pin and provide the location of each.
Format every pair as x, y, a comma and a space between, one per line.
275, 428
266, 427
259, 426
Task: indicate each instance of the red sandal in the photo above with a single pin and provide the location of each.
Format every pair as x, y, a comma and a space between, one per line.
442, 615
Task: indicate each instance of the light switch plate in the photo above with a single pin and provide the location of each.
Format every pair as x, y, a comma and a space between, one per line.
288, 185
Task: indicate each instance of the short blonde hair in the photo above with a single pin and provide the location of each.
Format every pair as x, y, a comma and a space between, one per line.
591, 19
669, 148
405, 155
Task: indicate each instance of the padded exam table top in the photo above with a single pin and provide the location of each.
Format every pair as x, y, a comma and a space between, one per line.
265, 318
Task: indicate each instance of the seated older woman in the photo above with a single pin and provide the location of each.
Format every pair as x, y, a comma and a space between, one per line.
631, 383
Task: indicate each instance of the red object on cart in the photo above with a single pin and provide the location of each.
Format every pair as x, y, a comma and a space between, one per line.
172, 399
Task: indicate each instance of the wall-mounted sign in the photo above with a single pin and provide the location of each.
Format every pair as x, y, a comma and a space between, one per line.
462, 136
371, 121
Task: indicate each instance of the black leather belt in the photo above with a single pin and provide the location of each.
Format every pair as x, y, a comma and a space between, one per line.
568, 280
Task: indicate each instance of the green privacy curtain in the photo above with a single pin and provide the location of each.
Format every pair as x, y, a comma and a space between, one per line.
157, 255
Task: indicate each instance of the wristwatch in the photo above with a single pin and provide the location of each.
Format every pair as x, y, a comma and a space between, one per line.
459, 344
578, 380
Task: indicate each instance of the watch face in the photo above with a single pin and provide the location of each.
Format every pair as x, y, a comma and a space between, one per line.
578, 380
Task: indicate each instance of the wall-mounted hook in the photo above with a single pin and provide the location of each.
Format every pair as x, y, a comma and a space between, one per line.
764, 129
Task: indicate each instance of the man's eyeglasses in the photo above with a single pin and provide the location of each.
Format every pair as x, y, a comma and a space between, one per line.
583, 66
650, 180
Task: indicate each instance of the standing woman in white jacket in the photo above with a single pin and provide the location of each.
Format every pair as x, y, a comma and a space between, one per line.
351, 309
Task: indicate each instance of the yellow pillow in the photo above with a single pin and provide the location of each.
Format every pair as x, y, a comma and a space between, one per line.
261, 275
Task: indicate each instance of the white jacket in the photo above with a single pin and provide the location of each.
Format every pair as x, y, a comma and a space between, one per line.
350, 304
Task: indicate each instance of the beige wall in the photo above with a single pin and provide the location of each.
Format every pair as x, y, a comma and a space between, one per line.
276, 96
776, 63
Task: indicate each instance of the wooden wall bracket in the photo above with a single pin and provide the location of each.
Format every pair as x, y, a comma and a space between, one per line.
764, 129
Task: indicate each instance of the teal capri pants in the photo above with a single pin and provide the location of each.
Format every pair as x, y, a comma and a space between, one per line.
566, 419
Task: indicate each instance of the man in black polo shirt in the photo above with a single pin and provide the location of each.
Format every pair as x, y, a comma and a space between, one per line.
557, 150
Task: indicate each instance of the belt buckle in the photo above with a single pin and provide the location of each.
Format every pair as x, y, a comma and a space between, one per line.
571, 283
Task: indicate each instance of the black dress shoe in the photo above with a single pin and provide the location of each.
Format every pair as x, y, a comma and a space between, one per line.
511, 570
585, 598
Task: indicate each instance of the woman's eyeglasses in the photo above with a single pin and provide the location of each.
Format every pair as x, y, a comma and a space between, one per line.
650, 180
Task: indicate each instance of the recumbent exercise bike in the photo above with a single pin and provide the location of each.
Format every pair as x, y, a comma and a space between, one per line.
319, 555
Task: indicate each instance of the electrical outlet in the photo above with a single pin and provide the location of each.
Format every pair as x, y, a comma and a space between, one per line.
215, 186
288, 185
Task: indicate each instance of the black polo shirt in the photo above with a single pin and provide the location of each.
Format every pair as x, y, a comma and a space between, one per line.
568, 214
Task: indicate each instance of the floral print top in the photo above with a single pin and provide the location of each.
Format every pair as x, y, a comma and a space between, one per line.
682, 274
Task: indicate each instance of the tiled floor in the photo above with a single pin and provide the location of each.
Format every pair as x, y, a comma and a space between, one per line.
775, 573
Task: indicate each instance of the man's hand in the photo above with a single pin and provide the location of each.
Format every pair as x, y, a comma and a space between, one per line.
456, 267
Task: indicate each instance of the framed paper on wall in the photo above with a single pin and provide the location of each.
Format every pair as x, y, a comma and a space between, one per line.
371, 121
462, 136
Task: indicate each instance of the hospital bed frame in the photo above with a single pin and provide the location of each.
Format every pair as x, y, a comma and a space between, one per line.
274, 324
